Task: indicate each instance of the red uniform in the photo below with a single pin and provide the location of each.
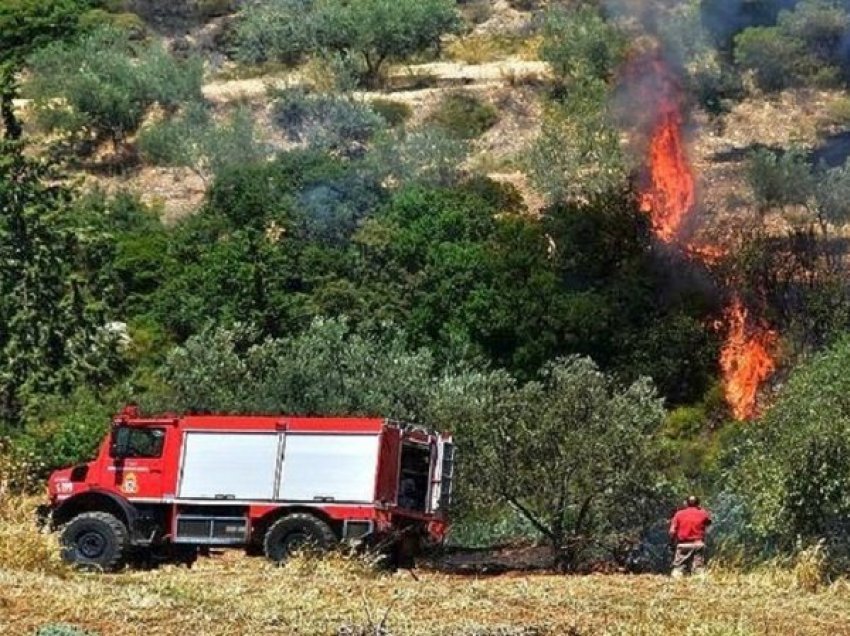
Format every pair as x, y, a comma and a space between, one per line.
689, 524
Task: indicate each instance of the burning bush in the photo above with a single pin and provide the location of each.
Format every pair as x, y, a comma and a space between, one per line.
791, 471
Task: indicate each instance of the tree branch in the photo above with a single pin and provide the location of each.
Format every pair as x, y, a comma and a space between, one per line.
541, 527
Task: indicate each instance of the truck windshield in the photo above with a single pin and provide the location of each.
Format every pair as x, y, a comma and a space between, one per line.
137, 442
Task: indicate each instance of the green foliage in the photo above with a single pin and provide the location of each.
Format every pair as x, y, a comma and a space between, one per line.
368, 33
581, 45
62, 431
214, 8
27, 25
131, 23
776, 61
393, 112
822, 27
779, 179
330, 368
808, 44
488, 528
791, 471
578, 153
572, 452
424, 156
832, 194
55, 334
106, 83
60, 629
464, 116
325, 122
193, 139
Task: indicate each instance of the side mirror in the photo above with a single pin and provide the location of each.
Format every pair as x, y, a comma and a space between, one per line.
119, 447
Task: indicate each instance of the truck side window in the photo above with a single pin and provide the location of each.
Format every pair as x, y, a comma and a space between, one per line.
139, 442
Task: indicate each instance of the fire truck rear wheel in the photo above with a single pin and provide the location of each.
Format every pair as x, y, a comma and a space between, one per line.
295, 532
95, 541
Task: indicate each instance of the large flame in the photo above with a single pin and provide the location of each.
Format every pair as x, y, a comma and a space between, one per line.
669, 198
670, 194
745, 359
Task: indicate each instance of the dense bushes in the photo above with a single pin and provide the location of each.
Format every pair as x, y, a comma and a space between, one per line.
791, 471
55, 332
805, 46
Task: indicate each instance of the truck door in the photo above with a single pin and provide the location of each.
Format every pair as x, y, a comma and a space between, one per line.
442, 474
136, 460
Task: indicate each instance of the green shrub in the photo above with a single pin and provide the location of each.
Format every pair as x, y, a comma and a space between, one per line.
113, 6
325, 121
63, 431
60, 629
464, 116
780, 178
776, 61
426, 156
581, 45
128, 22
393, 112
792, 469
214, 8
108, 83
822, 26
194, 140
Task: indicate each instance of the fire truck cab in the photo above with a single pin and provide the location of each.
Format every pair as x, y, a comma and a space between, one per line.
168, 486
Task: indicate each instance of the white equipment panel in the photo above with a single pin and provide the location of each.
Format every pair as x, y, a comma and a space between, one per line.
329, 467
229, 465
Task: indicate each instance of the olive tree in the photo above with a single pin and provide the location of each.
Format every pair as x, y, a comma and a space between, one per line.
367, 33
106, 83
194, 140
329, 368
572, 452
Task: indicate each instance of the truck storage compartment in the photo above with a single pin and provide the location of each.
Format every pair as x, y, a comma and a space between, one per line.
339, 467
229, 465
211, 530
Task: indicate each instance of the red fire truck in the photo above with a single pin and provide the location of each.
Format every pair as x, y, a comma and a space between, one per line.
172, 485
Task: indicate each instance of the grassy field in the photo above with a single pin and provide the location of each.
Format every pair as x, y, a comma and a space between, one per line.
236, 595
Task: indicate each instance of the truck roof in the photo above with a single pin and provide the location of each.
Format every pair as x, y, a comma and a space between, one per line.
263, 423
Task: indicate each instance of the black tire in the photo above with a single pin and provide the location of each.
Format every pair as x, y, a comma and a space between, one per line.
95, 541
295, 532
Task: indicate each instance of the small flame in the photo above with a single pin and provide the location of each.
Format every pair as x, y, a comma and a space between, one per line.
745, 359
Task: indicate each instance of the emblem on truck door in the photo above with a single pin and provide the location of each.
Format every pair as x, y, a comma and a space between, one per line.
129, 484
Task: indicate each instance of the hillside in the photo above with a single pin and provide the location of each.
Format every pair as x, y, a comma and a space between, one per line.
603, 243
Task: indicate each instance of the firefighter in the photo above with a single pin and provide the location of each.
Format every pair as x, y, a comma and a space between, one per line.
687, 531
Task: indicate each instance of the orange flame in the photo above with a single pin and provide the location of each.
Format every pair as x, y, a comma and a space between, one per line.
669, 198
745, 360
670, 195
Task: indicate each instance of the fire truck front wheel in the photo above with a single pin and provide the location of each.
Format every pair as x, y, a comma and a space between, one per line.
95, 541
296, 532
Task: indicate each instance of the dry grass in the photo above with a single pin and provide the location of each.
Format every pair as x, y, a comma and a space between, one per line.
482, 48
233, 595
